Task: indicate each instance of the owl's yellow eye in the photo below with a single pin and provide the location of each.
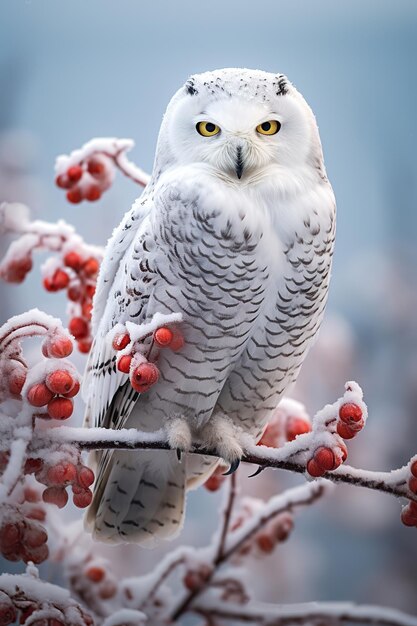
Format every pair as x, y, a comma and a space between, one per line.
269, 128
207, 129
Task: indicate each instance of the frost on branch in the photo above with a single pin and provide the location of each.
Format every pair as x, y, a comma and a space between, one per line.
33, 470
90, 170
73, 268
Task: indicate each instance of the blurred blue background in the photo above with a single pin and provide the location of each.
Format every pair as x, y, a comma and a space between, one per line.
73, 71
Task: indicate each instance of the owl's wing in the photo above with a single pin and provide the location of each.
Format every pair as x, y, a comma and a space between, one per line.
102, 380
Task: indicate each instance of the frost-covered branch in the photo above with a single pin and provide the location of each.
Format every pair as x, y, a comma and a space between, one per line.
88, 171
394, 482
73, 267
311, 614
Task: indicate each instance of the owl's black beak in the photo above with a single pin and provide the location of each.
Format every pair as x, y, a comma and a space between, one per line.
239, 162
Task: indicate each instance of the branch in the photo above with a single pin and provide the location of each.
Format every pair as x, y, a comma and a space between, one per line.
231, 496
393, 482
317, 612
286, 502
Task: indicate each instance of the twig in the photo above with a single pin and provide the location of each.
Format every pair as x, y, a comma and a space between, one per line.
227, 515
293, 498
130, 439
271, 615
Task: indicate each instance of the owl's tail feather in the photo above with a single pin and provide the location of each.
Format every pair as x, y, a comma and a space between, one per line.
139, 497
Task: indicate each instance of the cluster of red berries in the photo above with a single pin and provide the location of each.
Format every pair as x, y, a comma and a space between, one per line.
56, 393
58, 477
104, 583
409, 512
57, 346
24, 540
87, 180
78, 276
276, 531
325, 459
16, 270
196, 578
283, 428
22, 609
143, 373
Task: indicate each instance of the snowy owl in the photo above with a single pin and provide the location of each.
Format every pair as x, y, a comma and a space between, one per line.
235, 232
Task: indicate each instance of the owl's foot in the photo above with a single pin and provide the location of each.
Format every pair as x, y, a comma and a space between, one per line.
178, 435
220, 435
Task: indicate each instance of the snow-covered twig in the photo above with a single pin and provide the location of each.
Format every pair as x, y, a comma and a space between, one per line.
285, 502
393, 482
309, 614
89, 171
227, 514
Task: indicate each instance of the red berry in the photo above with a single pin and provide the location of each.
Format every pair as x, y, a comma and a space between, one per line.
345, 431
74, 293
10, 535
83, 499
74, 195
8, 614
85, 476
177, 341
31, 495
73, 391
63, 181
36, 513
60, 382
296, 426
61, 473
96, 167
95, 574
214, 482
93, 193
163, 336
78, 327
58, 347
37, 555
409, 516
55, 495
90, 290
73, 260
86, 309
325, 458
60, 280
39, 395
16, 270
121, 341
74, 173
265, 543
60, 408
412, 484
91, 266
84, 345
350, 412
123, 364
32, 466
34, 536
144, 376
283, 528
413, 467
314, 469
17, 379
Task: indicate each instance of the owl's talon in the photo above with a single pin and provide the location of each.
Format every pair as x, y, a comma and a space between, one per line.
257, 472
179, 454
233, 467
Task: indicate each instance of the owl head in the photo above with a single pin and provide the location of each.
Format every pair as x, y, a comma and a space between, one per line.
239, 124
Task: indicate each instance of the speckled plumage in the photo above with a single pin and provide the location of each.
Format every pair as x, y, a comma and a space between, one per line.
246, 261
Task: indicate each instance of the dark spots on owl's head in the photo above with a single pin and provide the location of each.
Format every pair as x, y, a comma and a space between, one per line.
190, 87
281, 85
